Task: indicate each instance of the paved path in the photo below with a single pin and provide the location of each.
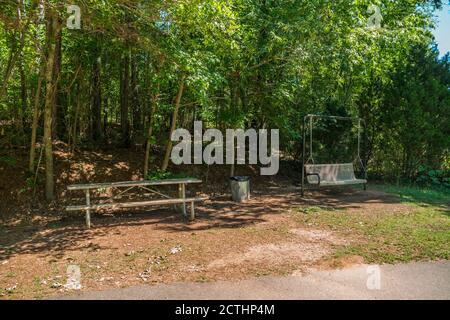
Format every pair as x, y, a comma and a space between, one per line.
421, 280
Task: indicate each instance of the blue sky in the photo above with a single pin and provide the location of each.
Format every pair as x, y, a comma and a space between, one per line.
442, 32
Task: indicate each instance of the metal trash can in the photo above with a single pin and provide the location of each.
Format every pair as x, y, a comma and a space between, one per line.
240, 188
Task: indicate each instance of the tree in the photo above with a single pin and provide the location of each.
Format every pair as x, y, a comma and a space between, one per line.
51, 79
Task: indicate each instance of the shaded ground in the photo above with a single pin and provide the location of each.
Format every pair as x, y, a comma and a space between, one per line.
276, 233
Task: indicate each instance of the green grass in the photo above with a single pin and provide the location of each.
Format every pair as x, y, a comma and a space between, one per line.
417, 233
418, 195
38, 289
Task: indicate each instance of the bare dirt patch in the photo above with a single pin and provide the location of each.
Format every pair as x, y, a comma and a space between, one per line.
342, 262
322, 236
309, 245
274, 253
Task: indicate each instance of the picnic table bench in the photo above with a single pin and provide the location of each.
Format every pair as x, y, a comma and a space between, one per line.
126, 186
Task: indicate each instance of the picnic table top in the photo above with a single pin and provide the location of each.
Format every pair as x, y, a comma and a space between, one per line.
141, 183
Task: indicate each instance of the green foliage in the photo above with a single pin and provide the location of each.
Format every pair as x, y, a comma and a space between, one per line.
433, 178
158, 175
162, 175
259, 64
10, 161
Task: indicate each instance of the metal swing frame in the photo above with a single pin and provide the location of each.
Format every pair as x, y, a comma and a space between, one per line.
308, 121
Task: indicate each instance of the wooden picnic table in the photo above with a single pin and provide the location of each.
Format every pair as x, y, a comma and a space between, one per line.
128, 186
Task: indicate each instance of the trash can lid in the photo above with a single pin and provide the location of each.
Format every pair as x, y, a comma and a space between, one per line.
240, 178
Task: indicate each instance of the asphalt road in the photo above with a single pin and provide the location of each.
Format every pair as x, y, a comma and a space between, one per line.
421, 280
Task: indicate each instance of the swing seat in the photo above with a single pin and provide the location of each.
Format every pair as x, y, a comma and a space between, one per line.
332, 174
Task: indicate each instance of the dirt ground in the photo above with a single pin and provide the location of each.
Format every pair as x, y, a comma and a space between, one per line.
157, 245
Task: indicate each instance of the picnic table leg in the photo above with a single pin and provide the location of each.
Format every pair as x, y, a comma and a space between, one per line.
192, 211
182, 194
88, 211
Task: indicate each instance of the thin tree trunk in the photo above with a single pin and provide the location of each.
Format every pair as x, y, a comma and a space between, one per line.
125, 95
135, 96
76, 115
105, 116
150, 132
234, 105
23, 97
72, 129
50, 78
58, 113
106, 103
165, 163
37, 101
96, 101
8, 71
36, 112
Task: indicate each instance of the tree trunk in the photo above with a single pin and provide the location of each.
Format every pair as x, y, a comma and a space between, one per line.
50, 78
37, 102
58, 113
23, 97
173, 126
124, 100
8, 71
105, 115
76, 113
97, 133
234, 106
36, 111
135, 96
150, 132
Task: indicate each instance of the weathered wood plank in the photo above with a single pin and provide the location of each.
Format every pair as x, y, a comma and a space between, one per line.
134, 204
342, 182
124, 184
88, 211
192, 211
183, 196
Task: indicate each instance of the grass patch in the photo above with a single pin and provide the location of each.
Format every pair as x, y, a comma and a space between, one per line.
37, 288
418, 195
421, 233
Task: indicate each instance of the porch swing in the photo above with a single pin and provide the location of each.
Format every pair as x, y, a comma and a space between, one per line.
327, 175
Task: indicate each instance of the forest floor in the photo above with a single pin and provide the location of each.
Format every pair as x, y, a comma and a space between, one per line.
275, 233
